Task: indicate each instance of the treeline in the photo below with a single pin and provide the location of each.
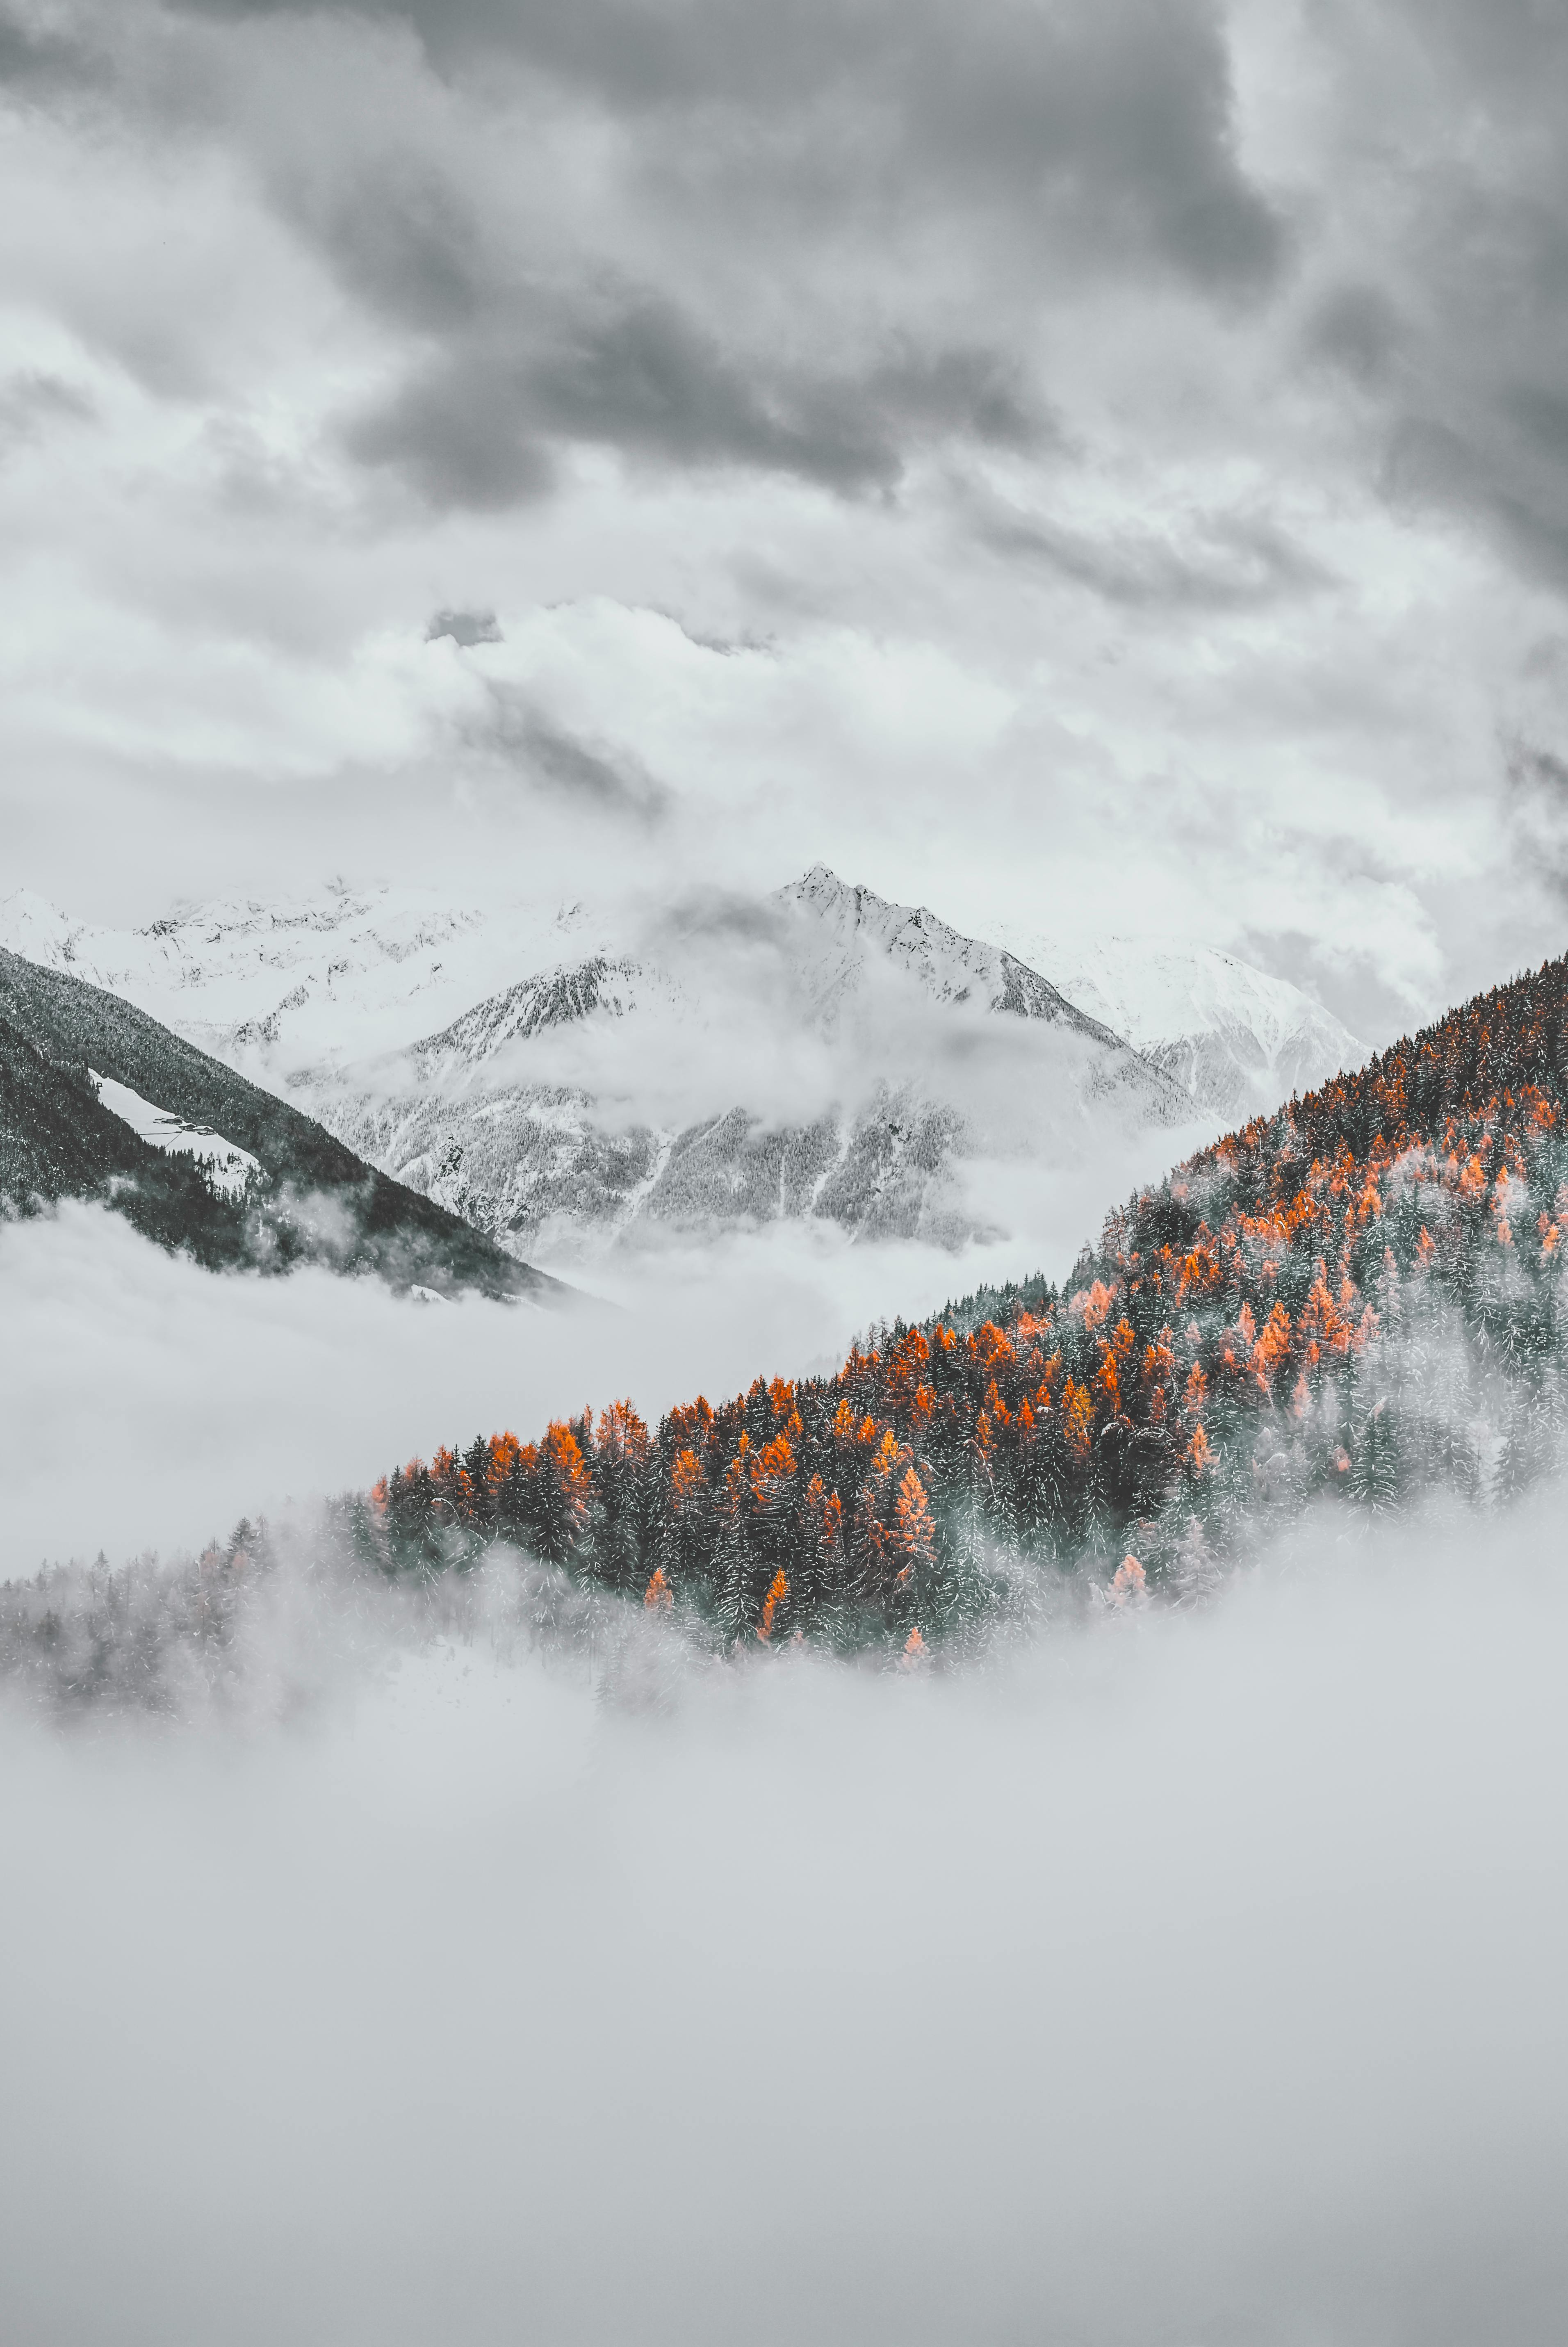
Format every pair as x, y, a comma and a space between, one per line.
1358, 1296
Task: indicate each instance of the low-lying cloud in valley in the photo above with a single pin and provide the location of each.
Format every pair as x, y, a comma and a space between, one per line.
1184, 1976
146, 1403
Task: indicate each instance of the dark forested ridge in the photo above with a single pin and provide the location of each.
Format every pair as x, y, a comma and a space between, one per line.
315, 1201
1356, 1297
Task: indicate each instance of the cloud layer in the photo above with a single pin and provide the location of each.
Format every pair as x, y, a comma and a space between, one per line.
1192, 1978
1103, 461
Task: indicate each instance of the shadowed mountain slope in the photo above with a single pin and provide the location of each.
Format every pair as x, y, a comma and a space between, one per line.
315, 1200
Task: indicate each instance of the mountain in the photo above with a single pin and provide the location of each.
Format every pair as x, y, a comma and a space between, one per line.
1234, 1039
848, 931
830, 1056
351, 974
1355, 1303
569, 1081
99, 1100
262, 985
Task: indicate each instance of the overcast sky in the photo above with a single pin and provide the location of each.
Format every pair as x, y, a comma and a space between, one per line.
1104, 462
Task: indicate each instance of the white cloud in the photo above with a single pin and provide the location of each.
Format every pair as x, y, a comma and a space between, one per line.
1197, 1977
1145, 619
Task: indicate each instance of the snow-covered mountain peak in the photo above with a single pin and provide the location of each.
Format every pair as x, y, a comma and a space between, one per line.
848, 931
549, 997
30, 925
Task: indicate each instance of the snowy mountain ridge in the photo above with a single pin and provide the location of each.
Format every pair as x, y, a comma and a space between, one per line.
853, 928
349, 973
1236, 1039
343, 973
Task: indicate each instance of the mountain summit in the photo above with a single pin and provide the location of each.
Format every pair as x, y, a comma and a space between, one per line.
859, 927
831, 1056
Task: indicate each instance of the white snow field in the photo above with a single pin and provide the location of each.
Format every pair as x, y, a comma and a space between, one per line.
228, 1167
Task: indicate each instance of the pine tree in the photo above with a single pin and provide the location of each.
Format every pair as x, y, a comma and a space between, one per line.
915, 1594
731, 1561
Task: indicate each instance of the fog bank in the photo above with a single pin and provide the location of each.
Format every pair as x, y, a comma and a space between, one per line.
1195, 1978
147, 1403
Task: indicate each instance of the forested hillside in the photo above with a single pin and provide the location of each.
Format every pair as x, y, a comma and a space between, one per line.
1356, 1297
313, 1200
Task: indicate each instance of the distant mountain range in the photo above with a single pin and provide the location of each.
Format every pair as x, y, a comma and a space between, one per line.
562, 1081
99, 1100
842, 1060
296, 983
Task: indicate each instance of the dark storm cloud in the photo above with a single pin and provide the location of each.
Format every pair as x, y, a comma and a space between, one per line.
1037, 144
465, 628
1537, 812
38, 58
1117, 114
405, 237
30, 402
1452, 172
1508, 42
476, 425
597, 779
1489, 478
1230, 561
1357, 329
460, 435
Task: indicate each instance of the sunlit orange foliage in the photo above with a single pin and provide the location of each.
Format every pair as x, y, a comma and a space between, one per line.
778, 1590
1094, 1303
1077, 1417
686, 1482
620, 1434
914, 1527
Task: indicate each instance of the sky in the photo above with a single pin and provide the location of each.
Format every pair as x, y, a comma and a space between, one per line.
1093, 466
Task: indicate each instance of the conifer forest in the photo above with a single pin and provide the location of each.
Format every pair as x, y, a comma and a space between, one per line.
1355, 1299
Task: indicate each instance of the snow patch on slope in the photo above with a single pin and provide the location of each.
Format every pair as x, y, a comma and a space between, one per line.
227, 1166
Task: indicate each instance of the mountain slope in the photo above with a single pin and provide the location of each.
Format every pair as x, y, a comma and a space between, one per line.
321, 1200
1356, 1301
1234, 1039
57, 1141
